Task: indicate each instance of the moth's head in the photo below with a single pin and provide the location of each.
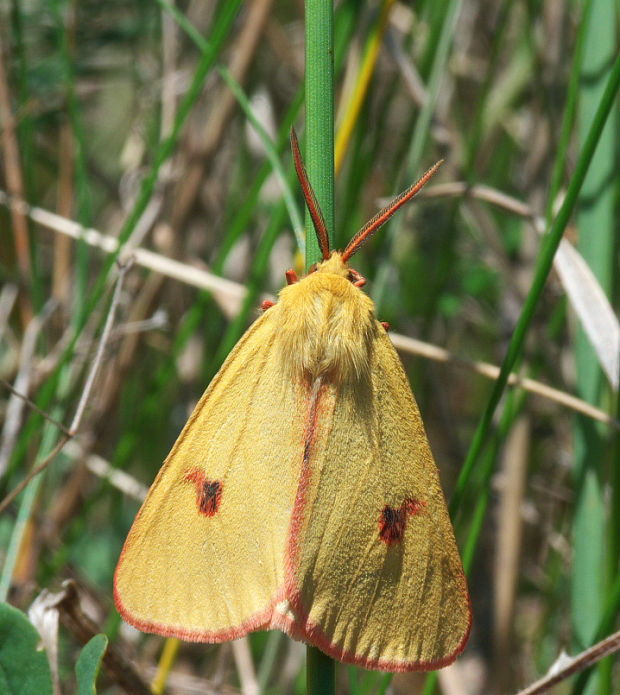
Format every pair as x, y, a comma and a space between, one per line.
336, 265
336, 262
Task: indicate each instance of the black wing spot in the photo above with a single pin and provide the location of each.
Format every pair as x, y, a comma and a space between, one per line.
393, 520
208, 492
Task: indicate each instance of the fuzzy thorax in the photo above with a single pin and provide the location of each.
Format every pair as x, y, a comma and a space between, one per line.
326, 325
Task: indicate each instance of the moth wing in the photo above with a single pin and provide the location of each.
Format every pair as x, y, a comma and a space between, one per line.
396, 604
204, 560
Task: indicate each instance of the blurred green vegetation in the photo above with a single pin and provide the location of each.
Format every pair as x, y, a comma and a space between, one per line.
114, 116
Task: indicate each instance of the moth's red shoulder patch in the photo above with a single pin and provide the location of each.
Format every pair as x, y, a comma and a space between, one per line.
208, 492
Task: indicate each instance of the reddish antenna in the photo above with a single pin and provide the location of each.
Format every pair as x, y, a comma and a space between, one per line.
384, 215
313, 205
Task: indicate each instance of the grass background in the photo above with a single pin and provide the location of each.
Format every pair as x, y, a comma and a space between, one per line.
121, 116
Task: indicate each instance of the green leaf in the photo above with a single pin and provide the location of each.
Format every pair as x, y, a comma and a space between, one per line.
88, 664
24, 668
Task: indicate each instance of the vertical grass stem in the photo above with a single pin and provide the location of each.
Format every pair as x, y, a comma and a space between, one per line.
319, 79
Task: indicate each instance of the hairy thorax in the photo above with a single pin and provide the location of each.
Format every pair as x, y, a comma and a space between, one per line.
326, 325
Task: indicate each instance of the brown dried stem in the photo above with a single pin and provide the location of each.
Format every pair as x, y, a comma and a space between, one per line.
83, 629
581, 662
15, 186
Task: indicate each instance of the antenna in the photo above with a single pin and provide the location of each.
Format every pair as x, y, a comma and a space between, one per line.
313, 205
384, 215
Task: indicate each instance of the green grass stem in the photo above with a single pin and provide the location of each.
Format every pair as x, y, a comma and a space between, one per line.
320, 672
319, 142
319, 160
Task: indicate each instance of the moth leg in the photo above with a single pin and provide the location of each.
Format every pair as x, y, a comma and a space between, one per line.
267, 304
291, 277
385, 325
357, 278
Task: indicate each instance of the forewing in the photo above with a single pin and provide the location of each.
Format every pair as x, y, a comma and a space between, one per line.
374, 575
204, 558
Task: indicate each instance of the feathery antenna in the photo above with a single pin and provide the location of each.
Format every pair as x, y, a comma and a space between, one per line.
384, 215
313, 205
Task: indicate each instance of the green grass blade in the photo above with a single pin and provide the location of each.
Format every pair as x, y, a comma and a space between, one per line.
221, 32
438, 69
543, 267
244, 102
420, 133
26, 506
49, 390
570, 110
595, 220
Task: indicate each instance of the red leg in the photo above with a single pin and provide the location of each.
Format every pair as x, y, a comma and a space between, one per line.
357, 278
385, 325
291, 277
267, 304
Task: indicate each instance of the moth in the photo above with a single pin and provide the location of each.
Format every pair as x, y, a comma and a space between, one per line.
302, 493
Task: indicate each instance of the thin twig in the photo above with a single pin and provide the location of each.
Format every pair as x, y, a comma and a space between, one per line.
411, 77
163, 265
491, 371
8, 295
109, 322
31, 404
75, 424
488, 194
508, 544
103, 469
245, 666
33, 474
158, 321
15, 406
582, 661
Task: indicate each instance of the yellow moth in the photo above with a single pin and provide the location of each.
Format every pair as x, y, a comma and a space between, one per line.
302, 493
